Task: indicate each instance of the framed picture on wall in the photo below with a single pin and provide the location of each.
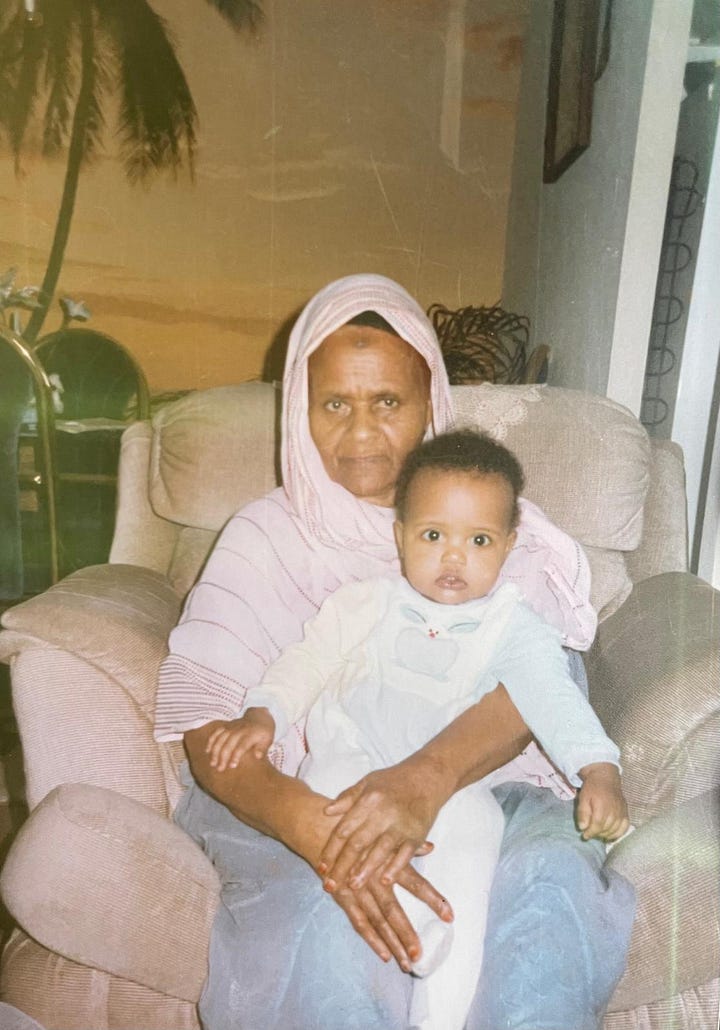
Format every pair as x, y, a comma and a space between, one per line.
570, 86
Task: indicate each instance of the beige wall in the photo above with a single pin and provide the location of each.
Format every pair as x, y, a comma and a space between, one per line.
319, 155
582, 253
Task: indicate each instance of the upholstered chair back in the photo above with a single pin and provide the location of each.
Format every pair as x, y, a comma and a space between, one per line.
588, 463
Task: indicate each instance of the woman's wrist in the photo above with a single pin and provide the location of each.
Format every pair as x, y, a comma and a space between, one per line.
434, 776
262, 797
480, 740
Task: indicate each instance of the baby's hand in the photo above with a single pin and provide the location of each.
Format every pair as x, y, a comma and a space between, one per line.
601, 806
228, 743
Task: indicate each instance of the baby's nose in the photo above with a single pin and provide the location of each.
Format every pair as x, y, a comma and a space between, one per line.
454, 554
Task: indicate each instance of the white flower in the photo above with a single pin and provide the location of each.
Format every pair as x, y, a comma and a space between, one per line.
74, 309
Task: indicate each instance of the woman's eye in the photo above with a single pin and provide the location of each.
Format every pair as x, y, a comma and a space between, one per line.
390, 402
431, 534
333, 405
481, 539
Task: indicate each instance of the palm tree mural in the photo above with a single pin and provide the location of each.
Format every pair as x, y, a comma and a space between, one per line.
62, 59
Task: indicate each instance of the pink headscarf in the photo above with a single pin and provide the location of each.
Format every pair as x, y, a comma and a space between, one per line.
332, 514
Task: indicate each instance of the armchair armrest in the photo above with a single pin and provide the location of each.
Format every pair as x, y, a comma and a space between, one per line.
87, 860
115, 617
673, 861
654, 672
85, 658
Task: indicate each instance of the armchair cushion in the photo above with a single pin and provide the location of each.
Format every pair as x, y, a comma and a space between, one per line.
212, 452
673, 861
87, 849
654, 671
586, 462
82, 997
664, 545
85, 661
141, 537
116, 617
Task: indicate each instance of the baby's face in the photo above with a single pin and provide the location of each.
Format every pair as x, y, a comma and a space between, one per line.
456, 533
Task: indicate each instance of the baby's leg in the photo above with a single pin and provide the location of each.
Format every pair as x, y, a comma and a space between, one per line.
467, 836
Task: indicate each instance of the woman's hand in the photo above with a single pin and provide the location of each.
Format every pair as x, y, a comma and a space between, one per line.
372, 908
385, 819
285, 808
376, 914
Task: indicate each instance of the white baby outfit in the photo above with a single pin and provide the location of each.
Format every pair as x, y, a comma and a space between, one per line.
380, 671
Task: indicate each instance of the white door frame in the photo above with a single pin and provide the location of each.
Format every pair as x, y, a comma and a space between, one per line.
652, 168
697, 383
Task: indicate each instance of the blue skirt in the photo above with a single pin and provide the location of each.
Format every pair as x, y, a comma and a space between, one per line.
283, 954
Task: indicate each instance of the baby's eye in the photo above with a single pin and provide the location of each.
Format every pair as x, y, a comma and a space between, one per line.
481, 540
431, 534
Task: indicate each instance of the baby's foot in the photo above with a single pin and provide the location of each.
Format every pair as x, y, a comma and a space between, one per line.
436, 939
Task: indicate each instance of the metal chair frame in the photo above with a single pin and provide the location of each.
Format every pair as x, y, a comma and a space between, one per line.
48, 476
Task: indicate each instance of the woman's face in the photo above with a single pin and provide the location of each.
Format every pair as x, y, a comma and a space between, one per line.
369, 405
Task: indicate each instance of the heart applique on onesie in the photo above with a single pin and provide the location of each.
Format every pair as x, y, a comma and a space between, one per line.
430, 650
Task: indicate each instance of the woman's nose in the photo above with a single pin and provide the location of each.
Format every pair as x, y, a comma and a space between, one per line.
361, 423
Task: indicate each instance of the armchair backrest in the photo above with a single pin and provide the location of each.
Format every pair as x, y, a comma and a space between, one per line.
588, 463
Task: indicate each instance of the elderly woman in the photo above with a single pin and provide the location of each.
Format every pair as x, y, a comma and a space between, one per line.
364, 382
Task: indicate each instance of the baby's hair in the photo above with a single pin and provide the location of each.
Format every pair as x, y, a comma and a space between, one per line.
464, 450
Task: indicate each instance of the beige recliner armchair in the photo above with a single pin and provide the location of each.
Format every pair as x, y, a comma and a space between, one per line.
114, 903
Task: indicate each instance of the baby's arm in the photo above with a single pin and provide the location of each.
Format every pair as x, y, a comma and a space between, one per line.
534, 669
601, 807
226, 745
291, 684
296, 679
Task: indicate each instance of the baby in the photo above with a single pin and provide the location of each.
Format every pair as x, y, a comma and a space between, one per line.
387, 663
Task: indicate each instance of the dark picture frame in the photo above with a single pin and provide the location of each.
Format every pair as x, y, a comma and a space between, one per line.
571, 81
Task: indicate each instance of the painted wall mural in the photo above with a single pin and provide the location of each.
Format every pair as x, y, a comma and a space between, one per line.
336, 137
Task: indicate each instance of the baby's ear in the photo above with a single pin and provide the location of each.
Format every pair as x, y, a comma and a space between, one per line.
398, 531
511, 541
